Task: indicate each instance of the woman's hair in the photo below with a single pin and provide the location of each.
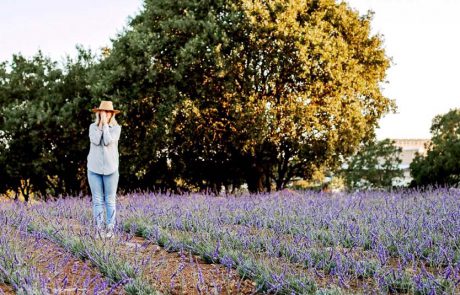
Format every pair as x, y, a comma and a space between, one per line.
112, 122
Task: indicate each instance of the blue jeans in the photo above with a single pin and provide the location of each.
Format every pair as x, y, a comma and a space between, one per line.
103, 190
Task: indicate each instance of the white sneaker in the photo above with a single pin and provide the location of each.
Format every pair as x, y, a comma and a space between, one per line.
100, 233
109, 234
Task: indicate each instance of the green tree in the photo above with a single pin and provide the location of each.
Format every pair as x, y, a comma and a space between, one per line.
375, 165
43, 121
157, 70
245, 91
26, 149
441, 164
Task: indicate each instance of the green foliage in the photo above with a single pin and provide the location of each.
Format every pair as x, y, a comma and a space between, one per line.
375, 165
440, 165
367, 269
330, 291
212, 93
139, 287
441, 286
43, 119
245, 91
398, 282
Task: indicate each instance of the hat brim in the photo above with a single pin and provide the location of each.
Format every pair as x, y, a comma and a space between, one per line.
113, 111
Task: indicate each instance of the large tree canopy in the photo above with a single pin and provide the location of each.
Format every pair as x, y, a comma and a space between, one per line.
441, 164
259, 90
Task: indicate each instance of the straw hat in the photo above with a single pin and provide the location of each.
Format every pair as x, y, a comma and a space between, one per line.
106, 105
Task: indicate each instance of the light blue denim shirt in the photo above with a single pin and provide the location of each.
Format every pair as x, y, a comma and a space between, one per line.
103, 151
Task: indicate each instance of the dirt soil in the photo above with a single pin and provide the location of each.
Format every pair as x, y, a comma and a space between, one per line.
6, 290
185, 273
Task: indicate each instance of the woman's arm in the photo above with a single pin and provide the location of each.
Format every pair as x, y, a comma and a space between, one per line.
95, 134
111, 134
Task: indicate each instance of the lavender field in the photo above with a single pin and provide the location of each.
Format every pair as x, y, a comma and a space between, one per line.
281, 243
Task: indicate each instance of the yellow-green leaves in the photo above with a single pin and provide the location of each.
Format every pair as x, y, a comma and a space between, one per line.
255, 91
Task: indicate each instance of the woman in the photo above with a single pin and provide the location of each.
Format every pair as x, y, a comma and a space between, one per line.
102, 166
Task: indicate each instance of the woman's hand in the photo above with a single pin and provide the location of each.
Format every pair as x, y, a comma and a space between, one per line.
103, 117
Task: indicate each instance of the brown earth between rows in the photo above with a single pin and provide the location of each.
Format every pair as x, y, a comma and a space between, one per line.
6, 290
179, 273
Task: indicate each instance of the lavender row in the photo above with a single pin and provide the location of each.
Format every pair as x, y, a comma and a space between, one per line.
85, 246
14, 270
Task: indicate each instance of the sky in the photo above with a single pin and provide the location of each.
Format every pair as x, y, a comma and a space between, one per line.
57, 26
421, 37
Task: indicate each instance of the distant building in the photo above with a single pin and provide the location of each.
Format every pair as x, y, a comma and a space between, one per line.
409, 148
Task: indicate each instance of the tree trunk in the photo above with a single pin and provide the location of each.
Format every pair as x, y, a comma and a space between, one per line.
282, 170
25, 193
268, 184
255, 179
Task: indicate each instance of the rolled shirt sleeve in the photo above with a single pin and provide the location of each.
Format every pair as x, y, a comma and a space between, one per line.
95, 134
110, 134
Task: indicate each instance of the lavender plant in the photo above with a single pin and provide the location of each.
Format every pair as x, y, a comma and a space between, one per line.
286, 242
84, 246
